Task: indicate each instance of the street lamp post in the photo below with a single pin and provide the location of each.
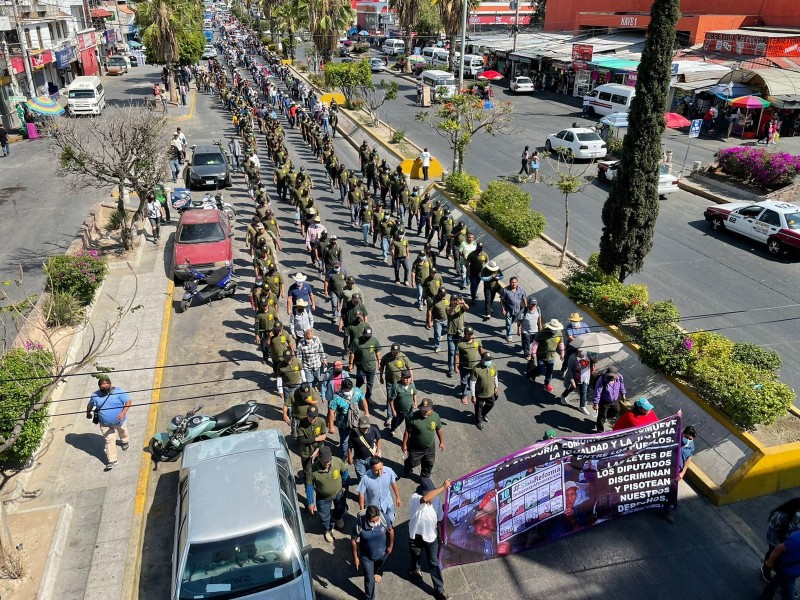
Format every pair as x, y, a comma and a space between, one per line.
461, 70
515, 6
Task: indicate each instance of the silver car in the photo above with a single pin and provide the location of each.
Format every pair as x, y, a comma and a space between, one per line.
238, 528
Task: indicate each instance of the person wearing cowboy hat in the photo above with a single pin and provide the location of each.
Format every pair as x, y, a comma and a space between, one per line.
546, 346
491, 276
313, 233
575, 328
299, 290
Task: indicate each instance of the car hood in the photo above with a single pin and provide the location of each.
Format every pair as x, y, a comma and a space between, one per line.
297, 589
198, 254
209, 170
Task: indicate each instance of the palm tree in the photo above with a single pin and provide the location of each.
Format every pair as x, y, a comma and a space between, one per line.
288, 17
328, 19
451, 12
407, 12
269, 6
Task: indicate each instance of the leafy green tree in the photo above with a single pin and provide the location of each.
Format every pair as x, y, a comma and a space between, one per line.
629, 214
374, 97
428, 22
348, 78
462, 117
328, 19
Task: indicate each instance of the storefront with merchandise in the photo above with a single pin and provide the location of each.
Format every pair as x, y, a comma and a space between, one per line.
87, 53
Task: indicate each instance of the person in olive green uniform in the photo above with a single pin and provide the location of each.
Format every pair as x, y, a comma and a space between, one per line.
400, 256
438, 315
413, 207
391, 366
420, 271
432, 284
365, 355
455, 329
484, 388
475, 261
303, 397
365, 216
279, 343
419, 439
329, 479
468, 354
437, 214
549, 346
446, 227
290, 378
311, 434
265, 320
424, 220
354, 313
403, 401
334, 286
275, 283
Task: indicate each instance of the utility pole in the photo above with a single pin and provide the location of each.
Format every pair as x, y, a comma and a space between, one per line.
515, 6
26, 59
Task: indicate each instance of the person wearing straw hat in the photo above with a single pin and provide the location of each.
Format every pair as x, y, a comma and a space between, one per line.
299, 290
575, 328
491, 276
547, 345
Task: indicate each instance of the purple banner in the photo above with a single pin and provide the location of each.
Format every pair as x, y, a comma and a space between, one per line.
554, 488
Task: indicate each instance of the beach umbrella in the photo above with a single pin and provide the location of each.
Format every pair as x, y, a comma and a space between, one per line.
135, 44
491, 75
753, 102
415, 58
45, 105
596, 342
676, 121
618, 119
363, 33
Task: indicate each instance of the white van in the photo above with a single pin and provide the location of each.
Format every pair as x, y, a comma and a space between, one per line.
610, 98
86, 96
441, 59
428, 54
393, 46
442, 83
473, 65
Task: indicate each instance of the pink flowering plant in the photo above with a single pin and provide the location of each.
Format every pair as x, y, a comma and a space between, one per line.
767, 170
78, 275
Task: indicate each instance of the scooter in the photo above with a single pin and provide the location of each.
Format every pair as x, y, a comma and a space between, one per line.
219, 203
168, 445
182, 201
218, 284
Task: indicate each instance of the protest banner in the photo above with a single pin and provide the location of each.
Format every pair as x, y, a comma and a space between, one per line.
554, 488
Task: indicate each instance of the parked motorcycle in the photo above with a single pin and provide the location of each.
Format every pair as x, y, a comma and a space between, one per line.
182, 201
218, 202
218, 284
168, 445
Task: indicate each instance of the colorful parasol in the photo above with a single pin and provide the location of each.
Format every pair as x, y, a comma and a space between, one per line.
753, 102
45, 105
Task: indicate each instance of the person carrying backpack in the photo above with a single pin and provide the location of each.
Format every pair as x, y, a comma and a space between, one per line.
344, 411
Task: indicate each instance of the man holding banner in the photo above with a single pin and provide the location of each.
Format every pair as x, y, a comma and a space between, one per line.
424, 515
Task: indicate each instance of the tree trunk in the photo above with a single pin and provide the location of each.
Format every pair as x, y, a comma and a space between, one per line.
173, 88
566, 231
125, 231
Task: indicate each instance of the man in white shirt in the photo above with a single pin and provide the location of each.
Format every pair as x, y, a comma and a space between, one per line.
424, 515
425, 157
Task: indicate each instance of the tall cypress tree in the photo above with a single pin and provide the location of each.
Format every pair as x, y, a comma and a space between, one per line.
629, 214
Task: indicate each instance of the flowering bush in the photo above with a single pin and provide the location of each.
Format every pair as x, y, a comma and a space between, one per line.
662, 312
768, 170
77, 274
615, 301
665, 348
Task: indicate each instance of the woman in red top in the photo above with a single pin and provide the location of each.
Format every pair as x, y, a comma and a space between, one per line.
642, 414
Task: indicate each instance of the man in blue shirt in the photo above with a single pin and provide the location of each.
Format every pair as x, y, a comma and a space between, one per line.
785, 559
376, 487
299, 290
111, 406
372, 542
575, 328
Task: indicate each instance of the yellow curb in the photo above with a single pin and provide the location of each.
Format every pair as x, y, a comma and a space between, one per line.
189, 116
143, 484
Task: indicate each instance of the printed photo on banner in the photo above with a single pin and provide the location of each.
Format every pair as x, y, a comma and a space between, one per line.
554, 488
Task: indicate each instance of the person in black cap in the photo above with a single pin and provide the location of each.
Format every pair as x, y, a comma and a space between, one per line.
328, 478
391, 368
424, 515
468, 354
365, 443
372, 542
311, 434
110, 406
365, 355
290, 378
483, 386
419, 439
475, 262
455, 329
403, 401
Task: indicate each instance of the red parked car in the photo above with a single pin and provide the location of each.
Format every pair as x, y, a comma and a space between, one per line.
203, 239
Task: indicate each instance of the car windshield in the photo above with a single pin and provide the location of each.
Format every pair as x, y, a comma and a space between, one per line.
201, 160
116, 60
239, 566
588, 137
523, 80
81, 93
792, 220
201, 233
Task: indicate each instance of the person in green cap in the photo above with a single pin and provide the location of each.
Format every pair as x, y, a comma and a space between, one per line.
550, 434
109, 406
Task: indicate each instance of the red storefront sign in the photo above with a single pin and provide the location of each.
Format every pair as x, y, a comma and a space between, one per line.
38, 61
87, 40
16, 65
497, 19
89, 62
752, 45
582, 52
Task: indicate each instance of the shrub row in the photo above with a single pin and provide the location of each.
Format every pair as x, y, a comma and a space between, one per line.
506, 209
463, 186
768, 170
738, 378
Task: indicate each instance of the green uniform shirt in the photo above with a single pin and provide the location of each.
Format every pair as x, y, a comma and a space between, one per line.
400, 248
404, 196
476, 260
347, 293
310, 431
274, 282
301, 402
422, 430
413, 204
354, 332
355, 196
439, 307
291, 372
393, 366
265, 321
421, 269
388, 227
327, 483
336, 283
349, 312
365, 352
432, 285
278, 344
455, 322
436, 216
403, 397
447, 225
271, 225
425, 207
468, 353
484, 378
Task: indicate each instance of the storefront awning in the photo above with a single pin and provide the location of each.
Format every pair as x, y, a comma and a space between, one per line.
100, 13
790, 102
778, 82
696, 86
615, 64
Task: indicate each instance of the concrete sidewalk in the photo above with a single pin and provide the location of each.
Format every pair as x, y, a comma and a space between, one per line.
70, 468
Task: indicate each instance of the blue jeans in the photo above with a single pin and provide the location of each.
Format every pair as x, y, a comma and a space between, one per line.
344, 441
420, 295
401, 211
314, 376
546, 369
335, 301
361, 465
511, 318
371, 568
438, 328
385, 246
452, 341
331, 509
782, 581
342, 191
175, 167
582, 389
527, 338
6, 149
365, 233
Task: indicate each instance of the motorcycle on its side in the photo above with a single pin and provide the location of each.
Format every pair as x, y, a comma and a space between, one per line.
218, 284
168, 445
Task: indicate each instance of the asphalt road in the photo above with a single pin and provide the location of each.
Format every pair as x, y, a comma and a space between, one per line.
40, 214
719, 282
638, 557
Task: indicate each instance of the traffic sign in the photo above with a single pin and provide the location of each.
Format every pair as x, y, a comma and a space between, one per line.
694, 130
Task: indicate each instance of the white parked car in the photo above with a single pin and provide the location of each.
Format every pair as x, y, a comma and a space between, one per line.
376, 64
583, 142
209, 52
521, 85
667, 183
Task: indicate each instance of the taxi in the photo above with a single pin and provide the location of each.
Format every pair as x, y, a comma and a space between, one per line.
776, 224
